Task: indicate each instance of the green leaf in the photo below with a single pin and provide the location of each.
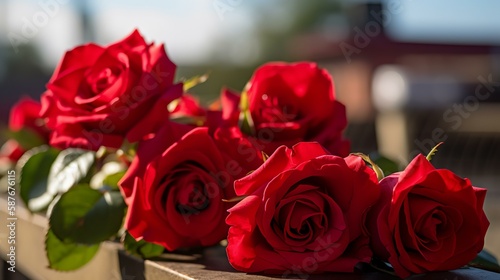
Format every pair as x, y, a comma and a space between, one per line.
388, 166
113, 179
382, 266
486, 261
235, 199
194, 81
191, 120
108, 176
87, 216
34, 168
265, 156
244, 103
246, 123
141, 248
27, 138
433, 151
375, 167
128, 148
71, 166
45, 172
67, 256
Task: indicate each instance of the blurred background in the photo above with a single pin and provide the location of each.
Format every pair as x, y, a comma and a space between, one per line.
411, 73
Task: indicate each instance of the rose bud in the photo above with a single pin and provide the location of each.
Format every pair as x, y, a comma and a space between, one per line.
24, 115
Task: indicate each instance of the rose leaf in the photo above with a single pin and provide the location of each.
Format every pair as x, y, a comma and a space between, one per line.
34, 169
387, 165
26, 137
246, 123
108, 177
67, 256
433, 151
198, 121
382, 266
141, 248
375, 167
87, 216
194, 81
486, 261
70, 167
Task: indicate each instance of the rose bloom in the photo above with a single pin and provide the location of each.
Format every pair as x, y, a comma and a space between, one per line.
24, 115
176, 185
303, 212
427, 219
98, 96
296, 102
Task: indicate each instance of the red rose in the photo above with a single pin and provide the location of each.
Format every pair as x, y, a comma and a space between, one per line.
175, 187
304, 212
187, 109
296, 102
427, 219
98, 96
228, 113
11, 151
25, 114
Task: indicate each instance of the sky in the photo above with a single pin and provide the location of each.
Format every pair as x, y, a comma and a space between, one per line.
193, 29
457, 21
190, 29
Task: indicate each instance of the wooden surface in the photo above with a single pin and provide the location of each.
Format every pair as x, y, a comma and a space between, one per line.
113, 263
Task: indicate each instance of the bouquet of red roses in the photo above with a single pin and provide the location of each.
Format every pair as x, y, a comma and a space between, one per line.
117, 148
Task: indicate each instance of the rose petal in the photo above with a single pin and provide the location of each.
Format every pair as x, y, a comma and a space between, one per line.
284, 158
